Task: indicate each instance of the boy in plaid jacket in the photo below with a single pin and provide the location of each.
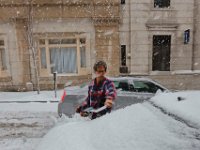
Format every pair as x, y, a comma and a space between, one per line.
101, 92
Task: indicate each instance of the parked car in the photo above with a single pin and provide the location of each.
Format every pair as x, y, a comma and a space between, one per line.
137, 85
130, 90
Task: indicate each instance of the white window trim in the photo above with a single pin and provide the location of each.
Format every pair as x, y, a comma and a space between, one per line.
46, 72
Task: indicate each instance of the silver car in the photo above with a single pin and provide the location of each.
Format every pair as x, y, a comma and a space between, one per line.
130, 90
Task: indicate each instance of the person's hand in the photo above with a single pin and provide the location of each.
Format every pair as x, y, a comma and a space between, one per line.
108, 103
78, 109
84, 114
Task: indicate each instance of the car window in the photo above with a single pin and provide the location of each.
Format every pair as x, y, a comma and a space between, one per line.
116, 83
84, 84
124, 85
146, 86
153, 88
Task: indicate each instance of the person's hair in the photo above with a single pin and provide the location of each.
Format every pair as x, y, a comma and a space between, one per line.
100, 63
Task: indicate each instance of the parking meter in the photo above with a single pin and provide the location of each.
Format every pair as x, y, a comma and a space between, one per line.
55, 83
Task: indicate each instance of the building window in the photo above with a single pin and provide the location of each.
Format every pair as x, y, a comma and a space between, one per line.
123, 1
61, 55
161, 52
43, 58
3, 65
83, 52
83, 57
63, 59
123, 55
161, 3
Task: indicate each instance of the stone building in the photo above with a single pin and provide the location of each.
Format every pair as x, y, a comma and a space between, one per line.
63, 36
152, 38
160, 39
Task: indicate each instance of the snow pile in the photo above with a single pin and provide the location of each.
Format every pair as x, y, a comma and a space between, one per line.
135, 127
185, 104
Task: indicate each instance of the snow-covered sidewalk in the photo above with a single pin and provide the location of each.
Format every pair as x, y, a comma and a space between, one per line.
29, 101
30, 96
185, 105
25, 117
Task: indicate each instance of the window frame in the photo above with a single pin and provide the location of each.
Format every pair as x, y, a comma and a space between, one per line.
123, 52
80, 70
161, 7
2, 69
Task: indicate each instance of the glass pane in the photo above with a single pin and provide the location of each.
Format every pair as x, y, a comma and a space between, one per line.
68, 41
82, 40
62, 41
152, 87
42, 41
54, 41
55, 60
123, 55
69, 57
63, 60
161, 3
141, 86
116, 83
43, 58
161, 53
3, 59
1, 42
124, 85
83, 57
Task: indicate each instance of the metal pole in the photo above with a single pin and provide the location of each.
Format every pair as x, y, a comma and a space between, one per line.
55, 83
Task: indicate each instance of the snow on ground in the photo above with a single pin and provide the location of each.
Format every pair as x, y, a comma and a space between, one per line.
135, 127
140, 126
24, 130
30, 96
29, 107
24, 123
187, 107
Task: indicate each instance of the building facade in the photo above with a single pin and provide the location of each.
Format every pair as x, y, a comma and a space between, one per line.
40, 37
158, 39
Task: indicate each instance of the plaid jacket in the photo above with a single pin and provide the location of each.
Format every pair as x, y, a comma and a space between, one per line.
97, 94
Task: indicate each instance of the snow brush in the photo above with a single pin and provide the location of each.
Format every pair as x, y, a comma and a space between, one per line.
95, 113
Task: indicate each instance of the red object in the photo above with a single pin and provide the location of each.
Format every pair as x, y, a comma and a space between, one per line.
63, 96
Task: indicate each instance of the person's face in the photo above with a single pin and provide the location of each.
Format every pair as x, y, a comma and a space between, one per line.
100, 71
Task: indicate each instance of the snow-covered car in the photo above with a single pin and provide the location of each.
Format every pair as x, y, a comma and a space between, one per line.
130, 90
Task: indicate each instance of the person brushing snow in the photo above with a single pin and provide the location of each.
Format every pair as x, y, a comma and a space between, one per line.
101, 92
